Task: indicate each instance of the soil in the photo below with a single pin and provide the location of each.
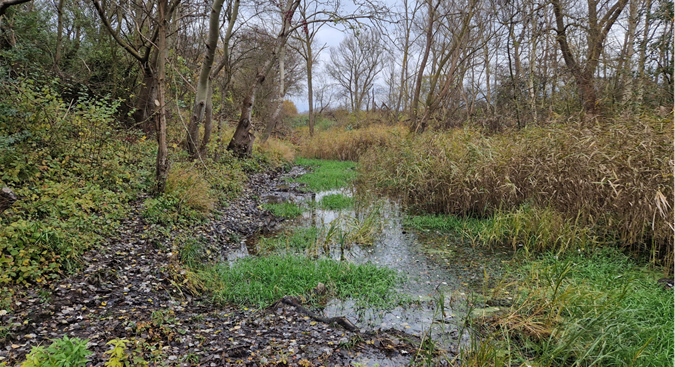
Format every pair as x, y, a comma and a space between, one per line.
132, 288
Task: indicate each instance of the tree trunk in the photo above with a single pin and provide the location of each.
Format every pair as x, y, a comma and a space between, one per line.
310, 92
208, 120
241, 144
417, 125
7, 198
272, 123
203, 85
596, 35
59, 34
643, 54
162, 167
630, 50
145, 104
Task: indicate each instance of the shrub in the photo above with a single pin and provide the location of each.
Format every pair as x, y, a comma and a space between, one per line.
71, 169
62, 352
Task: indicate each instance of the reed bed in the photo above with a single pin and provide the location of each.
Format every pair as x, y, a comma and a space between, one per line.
348, 145
613, 180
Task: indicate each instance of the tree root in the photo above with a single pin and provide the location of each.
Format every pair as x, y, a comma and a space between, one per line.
292, 301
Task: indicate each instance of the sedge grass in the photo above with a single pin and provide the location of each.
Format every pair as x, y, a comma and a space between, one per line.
326, 175
336, 202
286, 209
259, 281
589, 309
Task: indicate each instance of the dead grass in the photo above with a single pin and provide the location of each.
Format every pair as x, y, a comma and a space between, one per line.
280, 152
190, 188
341, 144
613, 178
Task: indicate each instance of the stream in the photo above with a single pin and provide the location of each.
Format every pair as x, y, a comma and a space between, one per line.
441, 273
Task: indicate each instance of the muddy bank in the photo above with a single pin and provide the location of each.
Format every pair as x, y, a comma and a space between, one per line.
131, 288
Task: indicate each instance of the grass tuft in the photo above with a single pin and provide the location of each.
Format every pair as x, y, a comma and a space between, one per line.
585, 309
286, 209
260, 281
336, 202
326, 175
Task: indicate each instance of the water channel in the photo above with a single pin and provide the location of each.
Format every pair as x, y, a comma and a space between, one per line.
441, 273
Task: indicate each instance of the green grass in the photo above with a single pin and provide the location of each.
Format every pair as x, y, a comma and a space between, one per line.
327, 175
297, 239
286, 210
260, 281
596, 309
336, 202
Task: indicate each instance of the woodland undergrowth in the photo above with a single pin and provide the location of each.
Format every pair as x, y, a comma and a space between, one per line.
76, 169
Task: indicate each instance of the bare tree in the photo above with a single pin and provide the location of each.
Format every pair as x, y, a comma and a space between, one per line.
138, 37
452, 49
203, 107
306, 36
242, 141
355, 64
600, 18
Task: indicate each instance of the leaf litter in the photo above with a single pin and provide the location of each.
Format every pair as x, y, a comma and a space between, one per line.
126, 291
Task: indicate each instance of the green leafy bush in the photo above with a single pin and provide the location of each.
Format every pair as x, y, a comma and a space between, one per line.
62, 352
74, 173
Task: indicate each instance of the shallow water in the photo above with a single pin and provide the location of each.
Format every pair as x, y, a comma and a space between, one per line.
438, 268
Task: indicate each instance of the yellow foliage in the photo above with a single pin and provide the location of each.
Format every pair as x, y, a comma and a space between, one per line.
288, 109
614, 177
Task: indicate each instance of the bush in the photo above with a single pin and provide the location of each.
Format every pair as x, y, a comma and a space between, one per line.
62, 352
73, 173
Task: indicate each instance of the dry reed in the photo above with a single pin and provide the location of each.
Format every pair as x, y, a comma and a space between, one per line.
348, 145
613, 177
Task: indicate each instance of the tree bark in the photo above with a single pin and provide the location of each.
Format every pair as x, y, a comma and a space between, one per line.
59, 34
162, 167
7, 198
208, 121
272, 122
596, 35
241, 144
310, 91
203, 85
418, 126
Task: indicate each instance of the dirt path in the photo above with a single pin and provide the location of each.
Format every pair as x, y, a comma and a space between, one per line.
128, 290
